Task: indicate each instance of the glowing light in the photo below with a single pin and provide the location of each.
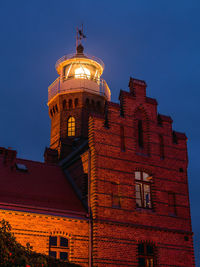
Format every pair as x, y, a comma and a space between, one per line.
71, 126
68, 71
82, 73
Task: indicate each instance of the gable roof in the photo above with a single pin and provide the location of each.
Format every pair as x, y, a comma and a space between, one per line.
41, 188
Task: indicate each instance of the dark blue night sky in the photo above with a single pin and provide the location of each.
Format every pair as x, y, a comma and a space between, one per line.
156, 41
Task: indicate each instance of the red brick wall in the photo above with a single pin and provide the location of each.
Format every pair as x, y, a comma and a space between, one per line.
112, 166
36, 229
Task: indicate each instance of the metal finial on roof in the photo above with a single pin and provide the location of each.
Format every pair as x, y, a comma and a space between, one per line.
79, 36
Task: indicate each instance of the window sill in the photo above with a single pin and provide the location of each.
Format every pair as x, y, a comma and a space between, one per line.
142, 154
149, 210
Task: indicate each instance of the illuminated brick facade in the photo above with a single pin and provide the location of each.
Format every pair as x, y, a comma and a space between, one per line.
115, 186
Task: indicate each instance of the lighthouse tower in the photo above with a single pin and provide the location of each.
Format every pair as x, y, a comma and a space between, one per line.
78, 91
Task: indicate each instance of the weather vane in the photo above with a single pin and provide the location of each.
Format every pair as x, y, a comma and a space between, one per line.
79, 36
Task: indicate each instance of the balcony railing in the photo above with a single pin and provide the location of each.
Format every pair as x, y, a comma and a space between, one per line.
96, 86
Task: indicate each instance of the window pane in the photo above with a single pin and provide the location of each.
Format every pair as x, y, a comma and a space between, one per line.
63, 255
63, 242
53, 241
52, 254
141, 262
149, 250
141, 249
71, 126
145, 176
138, 194
138, 175
149, 262
147, 198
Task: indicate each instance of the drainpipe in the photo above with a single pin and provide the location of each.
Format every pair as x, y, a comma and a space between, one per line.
90, 212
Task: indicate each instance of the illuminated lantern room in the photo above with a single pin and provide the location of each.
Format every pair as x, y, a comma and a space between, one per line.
79, 72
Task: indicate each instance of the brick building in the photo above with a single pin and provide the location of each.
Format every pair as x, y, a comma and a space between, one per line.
113, 188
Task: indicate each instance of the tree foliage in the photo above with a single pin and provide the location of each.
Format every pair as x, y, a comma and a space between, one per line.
13, 254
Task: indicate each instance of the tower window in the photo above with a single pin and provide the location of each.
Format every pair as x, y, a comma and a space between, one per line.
76, 102
140, 134
58, 247
146, 255
98, 106
64, 104
143, 190
93, 105
87, 102
71, 126
70, 103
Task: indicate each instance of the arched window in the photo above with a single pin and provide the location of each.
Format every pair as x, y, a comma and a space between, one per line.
98, 105
146, 255
76, 102
141, 125
143, 190
64, 104
71, 126
58, 247
70, 103
140, 134
93, 105
87, 102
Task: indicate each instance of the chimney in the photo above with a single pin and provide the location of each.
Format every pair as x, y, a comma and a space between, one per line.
9, 156
137, 87
50, 155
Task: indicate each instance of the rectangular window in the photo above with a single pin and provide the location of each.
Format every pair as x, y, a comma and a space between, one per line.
143, 190
58, 247
172, 203
146, 255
